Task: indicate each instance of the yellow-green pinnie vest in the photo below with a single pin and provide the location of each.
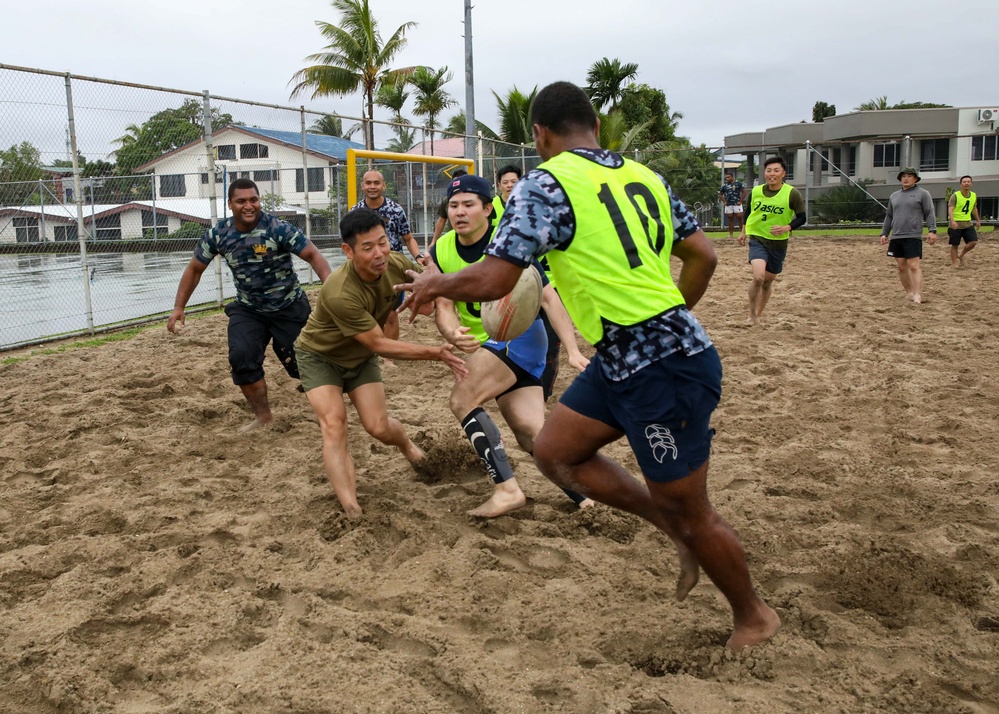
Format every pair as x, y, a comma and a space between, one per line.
767, 212
963, 211
449, 261
616, 268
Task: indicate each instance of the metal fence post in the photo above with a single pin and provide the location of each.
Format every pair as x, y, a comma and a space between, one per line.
306, 186
808, 175
78, 195
213, 212
423, 147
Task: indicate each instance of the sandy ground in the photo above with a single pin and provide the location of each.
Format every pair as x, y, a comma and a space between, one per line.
154, 560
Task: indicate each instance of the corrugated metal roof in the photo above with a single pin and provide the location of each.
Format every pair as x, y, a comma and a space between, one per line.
332, 146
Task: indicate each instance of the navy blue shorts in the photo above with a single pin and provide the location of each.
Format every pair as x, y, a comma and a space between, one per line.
526, 352
905, 248
758, 250
664, 410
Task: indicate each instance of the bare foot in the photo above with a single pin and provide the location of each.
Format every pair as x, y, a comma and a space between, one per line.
690, 573
960, 261
917, 299
763, 626
258, 423
751, 321
586, 503
506, 497
353, 510
414, 454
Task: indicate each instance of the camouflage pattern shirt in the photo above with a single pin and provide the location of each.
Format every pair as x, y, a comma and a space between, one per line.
396, 222
539, 218
260, 260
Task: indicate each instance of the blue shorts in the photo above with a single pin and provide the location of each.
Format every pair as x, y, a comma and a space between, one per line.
664, 409
758, 250
525, 353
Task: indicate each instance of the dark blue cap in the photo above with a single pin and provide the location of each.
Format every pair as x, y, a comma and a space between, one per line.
470, 184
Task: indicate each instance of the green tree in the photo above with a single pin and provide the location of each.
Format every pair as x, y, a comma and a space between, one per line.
515, 115
881, 103
615, 134
821, 110
163, 132
606, 80
431, 97
355, 59
848, 202
641, 103
20, 171
332, 125
690, 170
456, 125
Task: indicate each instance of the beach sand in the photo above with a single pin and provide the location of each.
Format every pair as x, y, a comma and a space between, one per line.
153, 559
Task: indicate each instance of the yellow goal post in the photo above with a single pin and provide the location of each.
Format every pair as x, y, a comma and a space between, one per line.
354, 154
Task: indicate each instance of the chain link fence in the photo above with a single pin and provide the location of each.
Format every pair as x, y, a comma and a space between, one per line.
106, 186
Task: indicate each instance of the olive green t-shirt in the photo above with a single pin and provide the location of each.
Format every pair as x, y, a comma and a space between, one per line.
348, 306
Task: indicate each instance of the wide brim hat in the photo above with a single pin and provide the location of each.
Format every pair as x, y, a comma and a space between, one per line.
908, 170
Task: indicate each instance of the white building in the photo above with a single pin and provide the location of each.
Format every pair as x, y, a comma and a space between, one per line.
942, 144
271, 158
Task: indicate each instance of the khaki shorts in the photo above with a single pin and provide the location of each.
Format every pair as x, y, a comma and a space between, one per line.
317, 371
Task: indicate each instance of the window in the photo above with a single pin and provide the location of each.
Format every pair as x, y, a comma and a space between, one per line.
64, 233
934, 155
265, 176
109, 227
162, 221
886, 155
985, 148
204, 179
317, 180
849, 165
26, 230
988, 208
252, 151
789, 160
226, 151
825, 160
173, 186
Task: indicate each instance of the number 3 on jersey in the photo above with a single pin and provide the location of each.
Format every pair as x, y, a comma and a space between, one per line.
647, 216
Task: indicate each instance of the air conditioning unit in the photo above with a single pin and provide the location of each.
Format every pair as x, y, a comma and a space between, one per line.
988, 115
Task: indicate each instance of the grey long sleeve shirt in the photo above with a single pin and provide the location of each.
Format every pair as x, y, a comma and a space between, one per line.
907, 209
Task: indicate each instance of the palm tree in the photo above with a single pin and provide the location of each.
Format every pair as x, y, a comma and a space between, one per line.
606, 79
873, 105
616, 135
392, 96
332, 125
456, 125
431, 97
515, 116
355, 58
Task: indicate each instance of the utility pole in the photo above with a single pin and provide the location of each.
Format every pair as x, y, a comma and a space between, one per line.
469, 86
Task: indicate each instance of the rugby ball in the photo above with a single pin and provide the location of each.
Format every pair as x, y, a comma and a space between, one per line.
511, 315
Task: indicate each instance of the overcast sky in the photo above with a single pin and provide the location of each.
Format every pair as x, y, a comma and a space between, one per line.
728, 67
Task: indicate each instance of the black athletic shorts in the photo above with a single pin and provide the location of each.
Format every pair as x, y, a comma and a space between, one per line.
956, 234
250, 330
905, 248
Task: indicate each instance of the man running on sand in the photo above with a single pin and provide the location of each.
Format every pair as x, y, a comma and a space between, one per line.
908, 208
270, 304
608, 226
961, 209
339, 347
508, 372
